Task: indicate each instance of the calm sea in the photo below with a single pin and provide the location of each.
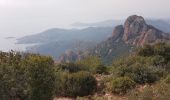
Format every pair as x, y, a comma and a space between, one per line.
7, 44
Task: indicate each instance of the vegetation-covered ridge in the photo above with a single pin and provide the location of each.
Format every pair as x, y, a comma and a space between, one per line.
145, 74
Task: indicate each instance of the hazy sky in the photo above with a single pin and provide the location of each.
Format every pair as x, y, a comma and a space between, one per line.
22, 17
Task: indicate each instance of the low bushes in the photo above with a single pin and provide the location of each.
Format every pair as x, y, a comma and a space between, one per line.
69, 67
160, 91
166, 80
26, 76
93, 64
100, 69
140, 69
144, 74
121, 85
41, 76
140, 74
75, 84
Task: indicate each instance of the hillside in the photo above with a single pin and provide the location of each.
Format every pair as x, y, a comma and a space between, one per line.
135, 32
56, 34
56, 41
100, 39
144, 75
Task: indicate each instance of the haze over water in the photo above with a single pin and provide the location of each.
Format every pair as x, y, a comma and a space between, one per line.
9, 44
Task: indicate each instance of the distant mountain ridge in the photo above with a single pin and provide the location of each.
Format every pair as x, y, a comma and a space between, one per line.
73, 44
161, 24
135, 32
55, 42
56, 34
106, 23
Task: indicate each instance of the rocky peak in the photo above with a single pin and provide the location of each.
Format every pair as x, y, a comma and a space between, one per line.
134, 26
136, 32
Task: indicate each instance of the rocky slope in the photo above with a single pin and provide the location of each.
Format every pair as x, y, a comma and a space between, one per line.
137, 32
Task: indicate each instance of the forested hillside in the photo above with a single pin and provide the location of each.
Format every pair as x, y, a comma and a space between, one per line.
140, 76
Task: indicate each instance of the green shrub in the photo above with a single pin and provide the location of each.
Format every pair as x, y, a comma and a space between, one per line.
69, 67
167, 79
146, 50
100, 69
13, 80
140, 74
93, 64
157, 60
26, 76
121, 85
159, 49
144, 74
41, 77
75, 84
139, 69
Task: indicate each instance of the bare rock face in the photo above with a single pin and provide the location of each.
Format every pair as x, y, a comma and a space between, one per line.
151, 36
118, 32
137, 32
134, 26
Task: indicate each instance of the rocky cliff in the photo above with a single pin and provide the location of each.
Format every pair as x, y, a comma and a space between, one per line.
136, 31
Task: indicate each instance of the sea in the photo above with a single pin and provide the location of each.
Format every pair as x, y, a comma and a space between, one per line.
10, 43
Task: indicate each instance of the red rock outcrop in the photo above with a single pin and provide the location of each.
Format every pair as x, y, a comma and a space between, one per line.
136, 32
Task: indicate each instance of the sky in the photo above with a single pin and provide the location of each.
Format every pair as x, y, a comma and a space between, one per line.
24, 17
